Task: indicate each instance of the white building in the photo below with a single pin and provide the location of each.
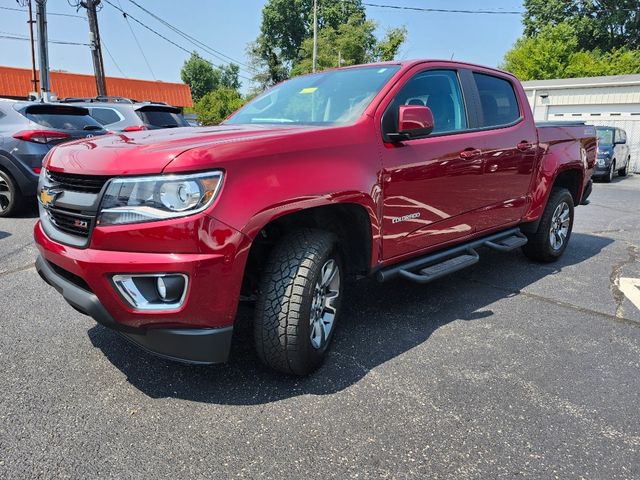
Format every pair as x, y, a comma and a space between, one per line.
613, 101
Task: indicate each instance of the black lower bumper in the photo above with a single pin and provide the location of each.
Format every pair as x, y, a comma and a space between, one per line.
190, 345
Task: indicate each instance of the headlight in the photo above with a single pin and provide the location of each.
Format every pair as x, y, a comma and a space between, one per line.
145, 199
601, 162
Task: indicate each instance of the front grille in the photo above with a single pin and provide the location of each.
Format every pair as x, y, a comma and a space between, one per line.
71, 222
78, 183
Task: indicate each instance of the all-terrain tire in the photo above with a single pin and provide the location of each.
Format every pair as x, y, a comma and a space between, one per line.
540, 245
11, 200
288, 292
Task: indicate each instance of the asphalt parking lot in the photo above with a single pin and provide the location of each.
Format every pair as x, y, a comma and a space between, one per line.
506, 370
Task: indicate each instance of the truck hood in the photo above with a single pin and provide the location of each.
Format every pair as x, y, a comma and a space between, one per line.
149, 152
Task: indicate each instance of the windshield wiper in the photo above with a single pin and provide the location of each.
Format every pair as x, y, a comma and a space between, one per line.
92, 127
169, 125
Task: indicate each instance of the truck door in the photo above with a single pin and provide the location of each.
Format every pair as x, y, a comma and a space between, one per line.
431, 186
508, 139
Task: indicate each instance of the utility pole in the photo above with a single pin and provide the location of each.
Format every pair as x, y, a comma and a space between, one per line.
34, 77
315, 35
94, 41
43, 53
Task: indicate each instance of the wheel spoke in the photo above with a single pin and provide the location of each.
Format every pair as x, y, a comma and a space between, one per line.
328, 273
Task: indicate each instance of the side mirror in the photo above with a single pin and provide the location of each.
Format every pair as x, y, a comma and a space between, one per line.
414, 121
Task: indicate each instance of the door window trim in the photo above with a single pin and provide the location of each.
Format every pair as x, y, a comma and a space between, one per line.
477, 104
463, 94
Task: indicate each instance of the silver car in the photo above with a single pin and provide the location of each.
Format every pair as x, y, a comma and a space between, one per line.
28, 130
119, 114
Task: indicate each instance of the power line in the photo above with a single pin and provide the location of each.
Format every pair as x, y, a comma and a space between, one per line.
138, 43
14, 9
112, 59
216, 53
162, 36
26, 39
444, 10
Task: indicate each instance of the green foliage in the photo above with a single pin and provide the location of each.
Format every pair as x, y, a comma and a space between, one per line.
202, 77
345, 36
598, 24
554, 52
218, 104
199, 75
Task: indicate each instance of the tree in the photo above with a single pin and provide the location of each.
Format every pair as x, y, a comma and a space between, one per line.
602, 24
544, 56
217, 105
202, 77
554, 52
199, 75
284, 45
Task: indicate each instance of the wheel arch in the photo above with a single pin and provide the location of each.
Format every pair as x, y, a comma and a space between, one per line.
350, 222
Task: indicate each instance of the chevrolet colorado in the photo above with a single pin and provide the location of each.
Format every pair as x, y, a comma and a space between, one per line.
393, 170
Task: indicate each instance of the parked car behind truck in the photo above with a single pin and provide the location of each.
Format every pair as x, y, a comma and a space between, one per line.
392, 170
28, 130
613, 153
118, 114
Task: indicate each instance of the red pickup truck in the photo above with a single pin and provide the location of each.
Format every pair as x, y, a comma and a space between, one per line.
392, 170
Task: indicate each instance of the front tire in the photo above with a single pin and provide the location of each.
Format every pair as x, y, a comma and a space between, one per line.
549, 242
299, 302
609, 176
10, 195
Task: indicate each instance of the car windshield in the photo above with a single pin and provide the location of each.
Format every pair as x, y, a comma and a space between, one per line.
605, 137
335, 97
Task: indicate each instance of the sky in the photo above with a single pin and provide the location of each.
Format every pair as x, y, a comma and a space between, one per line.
228, 26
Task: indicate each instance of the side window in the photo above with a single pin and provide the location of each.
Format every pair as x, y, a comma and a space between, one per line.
2, 114
105, 116
437, 89
498, 100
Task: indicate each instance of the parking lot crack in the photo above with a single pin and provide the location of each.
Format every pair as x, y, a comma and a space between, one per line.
17, 269
614, 279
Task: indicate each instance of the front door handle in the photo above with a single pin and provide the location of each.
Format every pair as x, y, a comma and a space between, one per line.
524, 146
470, 153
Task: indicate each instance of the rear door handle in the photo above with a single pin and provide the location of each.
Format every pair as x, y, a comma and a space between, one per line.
470, 153
524, 146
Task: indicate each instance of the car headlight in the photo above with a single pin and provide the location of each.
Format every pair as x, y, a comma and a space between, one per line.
601, 162
145, 199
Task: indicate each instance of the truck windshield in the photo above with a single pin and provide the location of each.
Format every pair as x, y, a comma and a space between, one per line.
335, 97
605, 137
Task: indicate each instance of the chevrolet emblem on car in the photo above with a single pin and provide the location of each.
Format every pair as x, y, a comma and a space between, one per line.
47, 196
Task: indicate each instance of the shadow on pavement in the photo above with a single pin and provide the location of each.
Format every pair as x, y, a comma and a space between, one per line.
4, 234
380, 322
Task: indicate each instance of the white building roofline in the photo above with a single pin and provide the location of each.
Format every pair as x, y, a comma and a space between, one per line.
586, 82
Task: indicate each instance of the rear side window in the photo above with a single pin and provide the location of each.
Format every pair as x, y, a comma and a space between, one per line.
161, 118
61, 118
498, 100
105, 116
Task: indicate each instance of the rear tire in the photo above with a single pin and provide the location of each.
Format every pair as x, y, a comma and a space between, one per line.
10, 196
549, 242
623, 171
299, 302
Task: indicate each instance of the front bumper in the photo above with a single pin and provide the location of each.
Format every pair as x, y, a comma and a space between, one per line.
199, 331
191, 345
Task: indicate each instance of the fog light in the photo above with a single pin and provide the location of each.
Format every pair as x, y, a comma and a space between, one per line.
156, 291
170, 287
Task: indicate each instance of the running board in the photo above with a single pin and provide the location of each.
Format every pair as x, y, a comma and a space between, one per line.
436, 265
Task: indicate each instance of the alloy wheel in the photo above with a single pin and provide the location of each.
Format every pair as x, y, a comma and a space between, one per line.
6, 197
324, 304
560, 222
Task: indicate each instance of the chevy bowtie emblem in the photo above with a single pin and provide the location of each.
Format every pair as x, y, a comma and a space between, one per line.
47, 197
